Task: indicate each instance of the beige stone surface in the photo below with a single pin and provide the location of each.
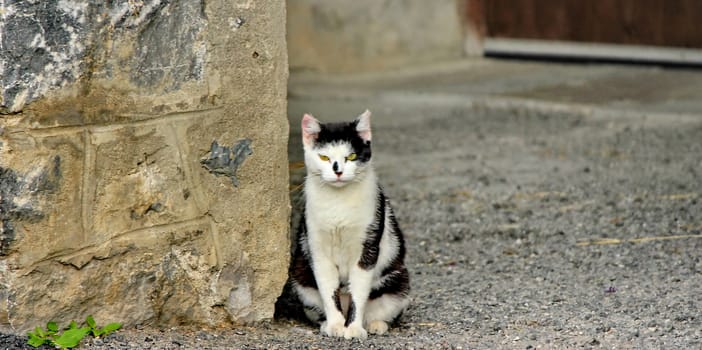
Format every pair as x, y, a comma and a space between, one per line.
106, 208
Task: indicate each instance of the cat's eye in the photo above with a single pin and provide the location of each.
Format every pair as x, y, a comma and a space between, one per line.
351, 156
323, 157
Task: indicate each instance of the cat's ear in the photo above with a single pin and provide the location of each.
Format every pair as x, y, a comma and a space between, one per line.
310, 129
363, 126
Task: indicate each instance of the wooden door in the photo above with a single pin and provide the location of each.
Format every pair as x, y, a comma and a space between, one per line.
664, 24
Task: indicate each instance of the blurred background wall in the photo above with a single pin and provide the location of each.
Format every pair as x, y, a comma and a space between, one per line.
350, 36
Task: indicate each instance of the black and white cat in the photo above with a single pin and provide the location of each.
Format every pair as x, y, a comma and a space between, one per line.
348, 269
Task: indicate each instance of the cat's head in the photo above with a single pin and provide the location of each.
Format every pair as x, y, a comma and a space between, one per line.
339, 153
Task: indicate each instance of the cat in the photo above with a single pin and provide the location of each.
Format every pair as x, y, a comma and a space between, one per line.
348, 269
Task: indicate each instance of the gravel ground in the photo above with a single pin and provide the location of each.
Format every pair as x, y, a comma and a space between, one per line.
505, 211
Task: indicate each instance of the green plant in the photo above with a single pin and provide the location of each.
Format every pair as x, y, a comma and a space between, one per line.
71, 335
99, 332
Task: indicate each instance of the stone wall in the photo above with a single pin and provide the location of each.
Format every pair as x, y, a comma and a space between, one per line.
339, 36
114, 200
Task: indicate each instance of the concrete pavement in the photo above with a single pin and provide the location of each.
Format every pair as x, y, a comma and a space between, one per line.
545, 205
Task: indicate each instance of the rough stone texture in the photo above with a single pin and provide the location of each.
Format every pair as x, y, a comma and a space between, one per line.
349, 36
108, 109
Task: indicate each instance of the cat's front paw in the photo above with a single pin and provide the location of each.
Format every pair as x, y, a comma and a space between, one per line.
355, 330
377, 327
333, 329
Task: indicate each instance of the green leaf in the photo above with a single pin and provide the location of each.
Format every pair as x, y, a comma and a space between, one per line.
39, 332
35, 340
111, 328
52, 327
71, 337
72, 325
90, 321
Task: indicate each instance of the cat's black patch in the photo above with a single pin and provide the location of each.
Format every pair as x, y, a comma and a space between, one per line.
288, 305
316, 314
352, 314
395, 282
345, 132
395, 276
371, 246
301, 267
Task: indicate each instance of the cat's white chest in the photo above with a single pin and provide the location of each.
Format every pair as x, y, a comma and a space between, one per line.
337, 221
334, 209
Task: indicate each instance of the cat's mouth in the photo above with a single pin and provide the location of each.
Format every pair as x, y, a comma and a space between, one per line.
338, 182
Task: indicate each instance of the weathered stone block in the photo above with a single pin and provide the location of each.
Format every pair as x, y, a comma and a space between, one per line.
139, 180
107, 110
238, 215
165, 275
149, 58
41, 196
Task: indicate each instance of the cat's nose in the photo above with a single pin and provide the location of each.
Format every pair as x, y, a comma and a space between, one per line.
336, 169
